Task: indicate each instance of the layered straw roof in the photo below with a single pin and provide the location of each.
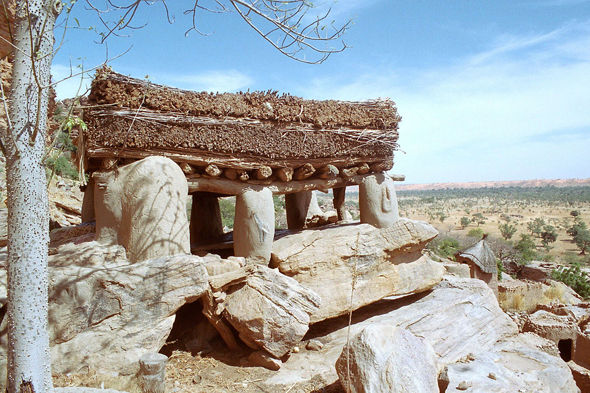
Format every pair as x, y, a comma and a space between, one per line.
248, 129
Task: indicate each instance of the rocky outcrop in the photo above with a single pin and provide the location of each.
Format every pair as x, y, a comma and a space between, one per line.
383, 358
359, 259
459, 317
105, 317
517, 364
269, 310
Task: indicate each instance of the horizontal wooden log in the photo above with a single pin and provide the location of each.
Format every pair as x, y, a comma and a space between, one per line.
285, 174
327, 172
213, 170
231, 173
349, 172
235, 187
264, 172
383, 166
187, 168
303, 172
243, 175
363, 168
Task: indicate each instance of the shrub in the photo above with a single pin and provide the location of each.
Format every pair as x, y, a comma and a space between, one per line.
465, 221
62, 166
445, 247
574, 278
475, 232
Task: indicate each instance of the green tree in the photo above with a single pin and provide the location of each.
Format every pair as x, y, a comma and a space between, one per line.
526, 248
578, 225
536, 226
479, 219
548, 235
465, 221
507, 230
582, 240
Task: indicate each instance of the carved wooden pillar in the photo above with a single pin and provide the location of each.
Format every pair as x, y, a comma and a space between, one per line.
205, 218
339, 197
297, 207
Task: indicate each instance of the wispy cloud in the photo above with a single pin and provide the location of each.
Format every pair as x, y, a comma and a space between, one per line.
496, 112
212, 81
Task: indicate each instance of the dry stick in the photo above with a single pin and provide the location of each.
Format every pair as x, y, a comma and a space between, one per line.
354, 273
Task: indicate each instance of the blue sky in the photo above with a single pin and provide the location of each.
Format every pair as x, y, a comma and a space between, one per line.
488, 90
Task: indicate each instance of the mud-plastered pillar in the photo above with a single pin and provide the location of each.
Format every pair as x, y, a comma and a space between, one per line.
377, 200
254, 225
205, 218
88, 202
297, 207
142, 206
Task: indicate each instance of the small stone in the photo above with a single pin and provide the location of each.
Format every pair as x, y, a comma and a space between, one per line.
314, 345
463, 385
492, 375
295, 349
265, 360
197, 379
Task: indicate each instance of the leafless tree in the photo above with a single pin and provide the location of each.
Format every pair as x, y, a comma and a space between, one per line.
284, 24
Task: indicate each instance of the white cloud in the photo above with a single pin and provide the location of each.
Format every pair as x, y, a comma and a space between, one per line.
493, 115
212, 81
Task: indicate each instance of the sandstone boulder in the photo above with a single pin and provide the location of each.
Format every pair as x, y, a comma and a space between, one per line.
270, 311
375, 262
516, 364
105, 318
383, 358
458, 317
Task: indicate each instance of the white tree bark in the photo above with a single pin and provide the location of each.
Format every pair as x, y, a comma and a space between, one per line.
29, 364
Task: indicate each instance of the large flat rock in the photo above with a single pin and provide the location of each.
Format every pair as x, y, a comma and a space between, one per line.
458, 317
104, 317
358, 262
516, 364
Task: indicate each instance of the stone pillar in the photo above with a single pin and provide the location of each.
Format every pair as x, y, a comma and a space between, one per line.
152, 367
297, 206
339, 198
205, 218
377, 201
254, 225
88, 202
142, 206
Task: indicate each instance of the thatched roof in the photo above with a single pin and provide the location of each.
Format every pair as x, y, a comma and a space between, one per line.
260, 127
481, 254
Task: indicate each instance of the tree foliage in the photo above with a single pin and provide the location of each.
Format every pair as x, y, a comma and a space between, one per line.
465, 221
507, 230
479, 219
575, 278
526, 248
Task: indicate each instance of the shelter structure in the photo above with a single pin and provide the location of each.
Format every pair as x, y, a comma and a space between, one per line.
482, 263
251, 145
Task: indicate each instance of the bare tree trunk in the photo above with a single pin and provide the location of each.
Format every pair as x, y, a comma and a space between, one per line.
29, 363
